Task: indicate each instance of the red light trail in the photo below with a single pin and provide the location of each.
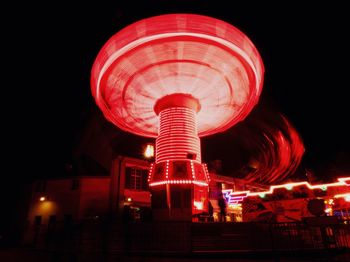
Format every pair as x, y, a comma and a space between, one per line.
238, 196
191, 54
278, 149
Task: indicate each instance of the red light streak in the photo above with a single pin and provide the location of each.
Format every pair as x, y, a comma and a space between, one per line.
278, 148
345, 196
174, 182
240, 195
206, 58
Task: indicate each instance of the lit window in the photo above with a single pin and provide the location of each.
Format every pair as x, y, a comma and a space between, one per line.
136, 178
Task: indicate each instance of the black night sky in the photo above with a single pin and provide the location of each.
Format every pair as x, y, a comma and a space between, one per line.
305, 50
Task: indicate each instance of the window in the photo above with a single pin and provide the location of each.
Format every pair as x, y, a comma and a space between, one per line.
136, 178
180, 170
75, 184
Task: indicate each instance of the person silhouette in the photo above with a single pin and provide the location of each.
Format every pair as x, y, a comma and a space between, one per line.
222, 206
210, 211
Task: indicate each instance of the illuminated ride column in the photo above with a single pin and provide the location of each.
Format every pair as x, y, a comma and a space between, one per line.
178, 137
178, 180
176, 78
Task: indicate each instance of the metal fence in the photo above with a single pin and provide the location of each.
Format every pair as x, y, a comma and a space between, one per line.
187, 237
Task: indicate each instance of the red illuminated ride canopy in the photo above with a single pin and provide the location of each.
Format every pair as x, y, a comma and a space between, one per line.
200, 56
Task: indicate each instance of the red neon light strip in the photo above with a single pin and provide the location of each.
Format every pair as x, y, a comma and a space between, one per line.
192, 171
167, 170
164, 182
341, 182
291, 185
150, 172
206, 171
